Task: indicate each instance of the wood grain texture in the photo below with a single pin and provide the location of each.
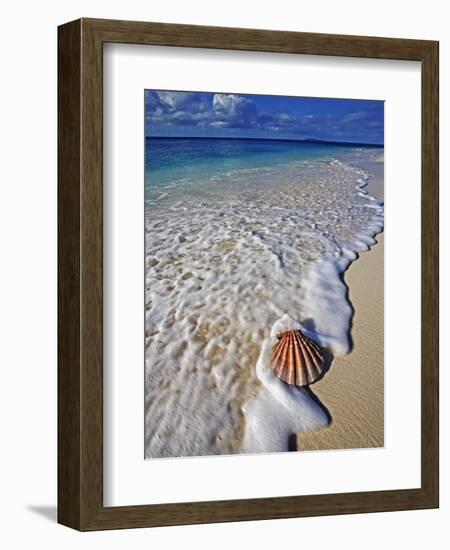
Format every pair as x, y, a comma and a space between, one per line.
430, 273
80, 264
69, 243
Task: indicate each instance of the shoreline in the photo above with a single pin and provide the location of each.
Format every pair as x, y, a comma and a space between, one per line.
353, 390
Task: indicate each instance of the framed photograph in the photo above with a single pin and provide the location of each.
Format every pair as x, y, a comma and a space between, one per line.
238, 339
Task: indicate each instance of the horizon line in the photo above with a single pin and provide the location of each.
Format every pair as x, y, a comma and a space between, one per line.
306, 140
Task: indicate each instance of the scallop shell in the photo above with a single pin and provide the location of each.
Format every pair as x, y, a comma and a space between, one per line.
296, 359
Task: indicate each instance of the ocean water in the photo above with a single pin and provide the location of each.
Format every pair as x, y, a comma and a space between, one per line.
244, 238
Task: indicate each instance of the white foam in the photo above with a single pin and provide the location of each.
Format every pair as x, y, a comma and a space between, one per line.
279, 411
225, 263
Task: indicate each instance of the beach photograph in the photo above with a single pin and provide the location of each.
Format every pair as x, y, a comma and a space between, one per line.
264, 273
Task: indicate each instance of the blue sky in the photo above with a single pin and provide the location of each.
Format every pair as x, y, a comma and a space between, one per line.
203, 114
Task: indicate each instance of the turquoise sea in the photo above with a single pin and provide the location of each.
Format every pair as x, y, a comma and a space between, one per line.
169, 161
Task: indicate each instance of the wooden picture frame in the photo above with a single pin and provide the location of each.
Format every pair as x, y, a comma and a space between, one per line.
80, 272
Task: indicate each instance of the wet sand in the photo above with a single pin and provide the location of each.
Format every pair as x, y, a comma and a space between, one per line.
353, 389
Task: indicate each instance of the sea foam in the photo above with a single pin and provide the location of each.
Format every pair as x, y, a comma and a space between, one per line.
279, 411
230, 261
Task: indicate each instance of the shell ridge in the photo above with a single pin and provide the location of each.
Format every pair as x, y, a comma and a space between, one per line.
301, 378
292, 354
317, 356
312, 362
296, 359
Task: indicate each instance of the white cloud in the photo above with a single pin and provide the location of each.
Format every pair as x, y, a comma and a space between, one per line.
229, 103
218, 124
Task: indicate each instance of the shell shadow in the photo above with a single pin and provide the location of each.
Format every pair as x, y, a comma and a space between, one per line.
328, 360
320, 404
293, 438
310, 325
327, 365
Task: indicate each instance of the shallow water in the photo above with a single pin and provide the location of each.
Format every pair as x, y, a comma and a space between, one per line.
231, 255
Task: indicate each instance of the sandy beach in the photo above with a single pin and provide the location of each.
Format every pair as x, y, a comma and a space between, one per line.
353, 389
